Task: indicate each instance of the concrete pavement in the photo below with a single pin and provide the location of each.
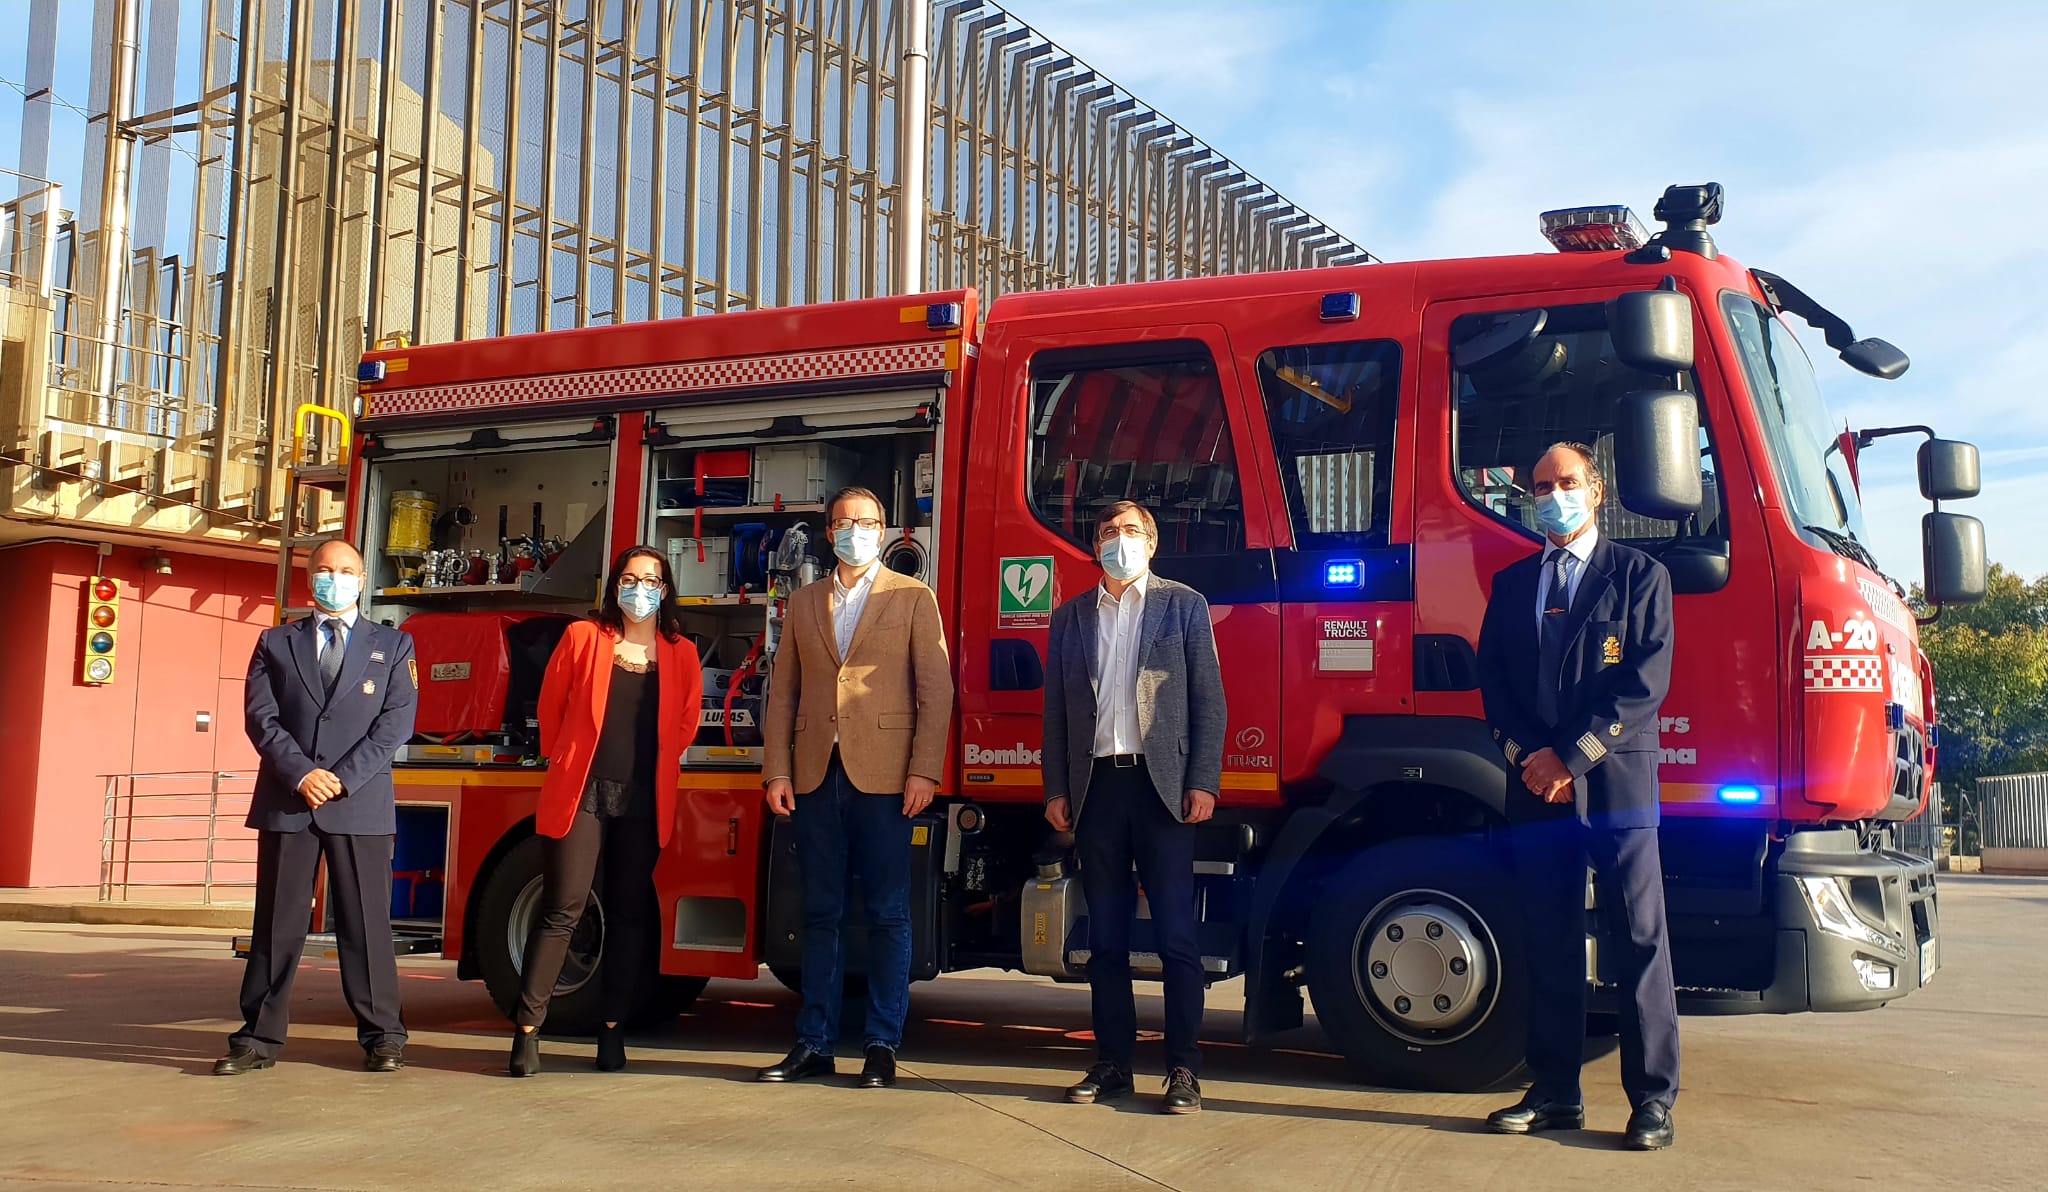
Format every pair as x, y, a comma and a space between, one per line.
107, 1033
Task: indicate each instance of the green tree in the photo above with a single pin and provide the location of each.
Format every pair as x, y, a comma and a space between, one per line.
1991, 682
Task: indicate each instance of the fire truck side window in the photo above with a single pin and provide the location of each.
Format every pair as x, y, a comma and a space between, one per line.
1562, 385
1145, 423
1332, 410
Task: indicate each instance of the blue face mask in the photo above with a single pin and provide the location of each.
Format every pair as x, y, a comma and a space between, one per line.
857, 547
335, 591
639, 602
1563, 510
1124, 559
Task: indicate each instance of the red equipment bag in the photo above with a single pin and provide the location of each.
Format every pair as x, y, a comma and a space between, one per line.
470, 663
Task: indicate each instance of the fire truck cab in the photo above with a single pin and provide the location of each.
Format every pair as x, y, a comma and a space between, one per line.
1338, 460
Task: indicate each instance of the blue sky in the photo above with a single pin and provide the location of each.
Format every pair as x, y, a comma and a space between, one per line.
1890, 159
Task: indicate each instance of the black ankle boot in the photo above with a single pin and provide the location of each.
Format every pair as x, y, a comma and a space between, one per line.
611, 1048
525, 1053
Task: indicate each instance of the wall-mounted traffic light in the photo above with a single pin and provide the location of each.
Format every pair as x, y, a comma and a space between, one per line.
102, 624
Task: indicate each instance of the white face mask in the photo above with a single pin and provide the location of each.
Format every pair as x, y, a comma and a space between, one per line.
857, 547
1124, 559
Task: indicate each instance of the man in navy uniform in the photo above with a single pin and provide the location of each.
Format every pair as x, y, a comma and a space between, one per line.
329, 701
1574, 661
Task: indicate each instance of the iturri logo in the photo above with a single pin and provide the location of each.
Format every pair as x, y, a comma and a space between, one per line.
1251, 738
1021, 755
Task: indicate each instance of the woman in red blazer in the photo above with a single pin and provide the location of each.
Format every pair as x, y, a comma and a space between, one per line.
617, 708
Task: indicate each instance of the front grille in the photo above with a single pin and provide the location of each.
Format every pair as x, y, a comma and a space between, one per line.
1909, 763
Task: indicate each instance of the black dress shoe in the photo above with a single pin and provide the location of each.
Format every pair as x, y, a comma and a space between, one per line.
384, 1058
800, 1064
239, 1060
880, 1070
1534, 1115
1183, 1092
525, 1059
1650, 1129
1104, 1082
611, 1048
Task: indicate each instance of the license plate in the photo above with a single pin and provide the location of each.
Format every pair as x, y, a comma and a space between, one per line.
1930, 959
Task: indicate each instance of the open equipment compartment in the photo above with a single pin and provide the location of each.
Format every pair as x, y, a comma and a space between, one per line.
485, 544
738, 504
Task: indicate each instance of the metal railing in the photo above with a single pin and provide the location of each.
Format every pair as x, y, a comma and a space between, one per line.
167, 835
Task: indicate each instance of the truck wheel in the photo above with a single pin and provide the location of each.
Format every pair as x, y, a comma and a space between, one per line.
505, 917
1415, 967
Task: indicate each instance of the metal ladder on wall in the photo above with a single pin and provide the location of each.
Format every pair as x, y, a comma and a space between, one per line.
308, 474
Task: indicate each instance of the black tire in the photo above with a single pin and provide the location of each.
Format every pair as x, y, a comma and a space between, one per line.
511, 900
1455, 890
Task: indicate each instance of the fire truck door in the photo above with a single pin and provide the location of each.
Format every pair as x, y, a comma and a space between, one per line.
1153, 415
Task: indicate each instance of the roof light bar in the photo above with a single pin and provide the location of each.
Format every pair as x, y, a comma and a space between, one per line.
1612, 228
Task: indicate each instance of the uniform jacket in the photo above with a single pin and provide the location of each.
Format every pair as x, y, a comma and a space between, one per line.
1615, 670
354, 733
573, 695
890, 700
1181, 713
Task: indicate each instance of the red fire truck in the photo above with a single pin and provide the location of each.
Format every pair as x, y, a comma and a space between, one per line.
1338, 459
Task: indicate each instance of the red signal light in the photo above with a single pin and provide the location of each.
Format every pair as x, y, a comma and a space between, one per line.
105, 589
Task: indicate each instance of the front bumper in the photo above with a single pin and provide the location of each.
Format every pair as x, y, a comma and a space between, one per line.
1856, 927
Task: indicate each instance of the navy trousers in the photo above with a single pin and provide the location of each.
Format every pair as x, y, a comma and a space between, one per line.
1550, 861
840, 827
1124, 823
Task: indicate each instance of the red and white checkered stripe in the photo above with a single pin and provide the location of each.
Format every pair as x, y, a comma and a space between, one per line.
660, 380
1844, 672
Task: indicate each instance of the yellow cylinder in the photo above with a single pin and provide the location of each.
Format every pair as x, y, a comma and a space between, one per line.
411, 530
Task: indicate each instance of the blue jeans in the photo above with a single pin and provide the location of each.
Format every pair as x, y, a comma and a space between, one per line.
837, 827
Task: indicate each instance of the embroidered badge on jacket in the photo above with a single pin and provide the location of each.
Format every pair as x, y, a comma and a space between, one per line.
369, 687
1610, 650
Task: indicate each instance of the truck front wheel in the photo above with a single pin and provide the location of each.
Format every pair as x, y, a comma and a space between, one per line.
512, 901
1415, 966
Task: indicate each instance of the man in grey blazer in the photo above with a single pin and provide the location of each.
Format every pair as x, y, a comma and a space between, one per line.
1134, 722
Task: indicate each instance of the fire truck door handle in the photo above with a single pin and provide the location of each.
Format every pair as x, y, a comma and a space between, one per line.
1445, 662
1014, 665
732, 837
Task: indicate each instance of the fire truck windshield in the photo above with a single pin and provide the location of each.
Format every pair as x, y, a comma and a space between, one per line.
1819, 493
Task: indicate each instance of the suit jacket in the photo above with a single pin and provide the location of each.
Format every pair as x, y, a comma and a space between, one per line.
297, 728
573, 695
889, 701
1611, 680
1181, 712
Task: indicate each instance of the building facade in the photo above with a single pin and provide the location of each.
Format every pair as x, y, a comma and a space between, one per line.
218, 204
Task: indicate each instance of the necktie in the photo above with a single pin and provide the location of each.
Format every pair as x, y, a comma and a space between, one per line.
330, 655
1557, 606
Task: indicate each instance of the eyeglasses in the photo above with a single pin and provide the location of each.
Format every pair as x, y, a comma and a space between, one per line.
1111, 533
847, 523
628, 583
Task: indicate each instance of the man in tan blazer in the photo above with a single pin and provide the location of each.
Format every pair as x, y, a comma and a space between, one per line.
859, 705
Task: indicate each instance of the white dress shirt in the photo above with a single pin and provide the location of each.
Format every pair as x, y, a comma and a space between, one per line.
847, 604
1580, 548
1117, 626
322, 616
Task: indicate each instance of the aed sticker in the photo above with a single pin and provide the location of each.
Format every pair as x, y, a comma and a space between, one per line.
1024, 592
444, 672
1346, 647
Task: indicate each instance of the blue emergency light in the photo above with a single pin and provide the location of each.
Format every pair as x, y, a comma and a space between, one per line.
1895, 717
1344, 573
1741, 794
1340, 308
943, 316
370, 372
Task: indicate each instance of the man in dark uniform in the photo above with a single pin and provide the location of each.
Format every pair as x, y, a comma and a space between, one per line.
1574, 661
329, 701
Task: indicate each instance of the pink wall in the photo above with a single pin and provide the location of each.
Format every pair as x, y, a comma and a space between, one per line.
182, 649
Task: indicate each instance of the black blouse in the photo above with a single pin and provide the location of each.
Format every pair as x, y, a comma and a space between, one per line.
622, 771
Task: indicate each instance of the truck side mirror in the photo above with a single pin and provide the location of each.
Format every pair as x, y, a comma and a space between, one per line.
1952, 545
1652, 330
1876, 358
1948, 470
1657, 454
